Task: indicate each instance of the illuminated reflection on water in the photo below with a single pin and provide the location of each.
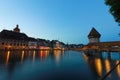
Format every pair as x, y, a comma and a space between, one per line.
57, 65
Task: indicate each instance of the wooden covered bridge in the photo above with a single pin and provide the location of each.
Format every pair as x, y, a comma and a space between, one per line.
94, 42
104, 46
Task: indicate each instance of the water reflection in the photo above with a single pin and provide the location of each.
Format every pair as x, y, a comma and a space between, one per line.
98, 66
104, 64
76, 66
22, 58
85, 58
107, 65
34, 55
57, 54
118, 68
8, 55
44, 54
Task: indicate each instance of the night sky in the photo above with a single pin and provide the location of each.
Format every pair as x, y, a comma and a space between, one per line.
69, 21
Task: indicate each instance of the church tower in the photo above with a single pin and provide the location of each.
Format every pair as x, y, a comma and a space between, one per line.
94, 36
16, 29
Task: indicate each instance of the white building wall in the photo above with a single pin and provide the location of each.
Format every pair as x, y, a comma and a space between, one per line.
32, 44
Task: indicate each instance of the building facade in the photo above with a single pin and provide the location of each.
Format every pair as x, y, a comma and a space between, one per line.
13, 39
32, 43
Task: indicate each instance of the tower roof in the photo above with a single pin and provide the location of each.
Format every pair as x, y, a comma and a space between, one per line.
16, 29
94, 33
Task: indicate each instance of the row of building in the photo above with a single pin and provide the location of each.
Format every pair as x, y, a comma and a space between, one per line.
14, 39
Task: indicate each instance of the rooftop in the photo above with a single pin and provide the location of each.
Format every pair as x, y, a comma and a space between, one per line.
94, 33
7, 34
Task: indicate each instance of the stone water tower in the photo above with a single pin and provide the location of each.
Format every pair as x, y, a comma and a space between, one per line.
94, 36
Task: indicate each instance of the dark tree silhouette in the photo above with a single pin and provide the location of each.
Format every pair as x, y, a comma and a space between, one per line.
114, 9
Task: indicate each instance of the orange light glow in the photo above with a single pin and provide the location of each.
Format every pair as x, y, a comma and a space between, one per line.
7, 59
85, 58
118, 68
9, 47
107, 66
23, 47
98, 66
22, 58
41, 55
44, 54
47, 53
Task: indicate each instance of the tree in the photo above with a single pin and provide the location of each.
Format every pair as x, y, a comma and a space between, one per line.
114, 9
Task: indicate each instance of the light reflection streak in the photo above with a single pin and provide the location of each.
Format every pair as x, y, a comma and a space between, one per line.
57, 54
47, 53
41, 55
22, 58
118, 68
44, 54
85, 58
98, 66
107, 66
7, 59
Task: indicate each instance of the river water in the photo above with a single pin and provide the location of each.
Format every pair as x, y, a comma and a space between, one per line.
58, 65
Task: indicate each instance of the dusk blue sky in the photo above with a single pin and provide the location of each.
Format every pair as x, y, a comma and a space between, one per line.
66, 20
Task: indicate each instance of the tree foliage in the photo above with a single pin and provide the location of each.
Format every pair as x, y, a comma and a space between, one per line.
114, 9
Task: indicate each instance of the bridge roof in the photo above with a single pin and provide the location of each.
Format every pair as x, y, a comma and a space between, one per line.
110, 43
